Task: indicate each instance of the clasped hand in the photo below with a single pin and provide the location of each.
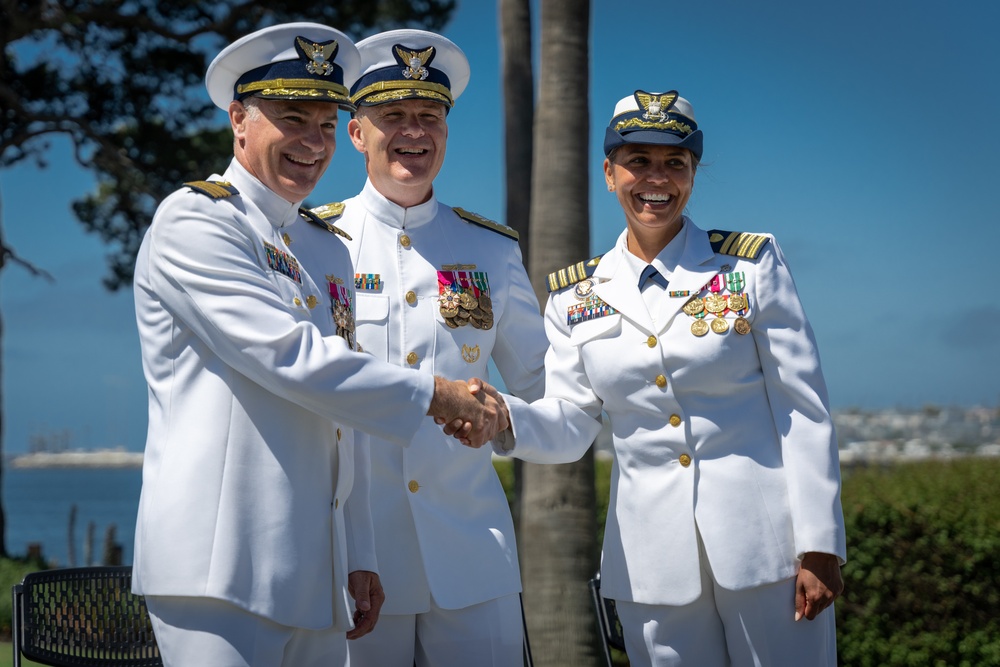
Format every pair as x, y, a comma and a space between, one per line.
473, 411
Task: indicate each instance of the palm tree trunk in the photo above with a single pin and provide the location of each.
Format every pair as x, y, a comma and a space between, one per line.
558, 523
519, 117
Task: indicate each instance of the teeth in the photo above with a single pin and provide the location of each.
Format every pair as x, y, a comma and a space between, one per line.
411, 151
300, 160
651, 197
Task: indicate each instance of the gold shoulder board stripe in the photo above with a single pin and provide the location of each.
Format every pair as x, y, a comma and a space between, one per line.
323, 224
214, 189
331, 210
479, 220
572, 274
738, 244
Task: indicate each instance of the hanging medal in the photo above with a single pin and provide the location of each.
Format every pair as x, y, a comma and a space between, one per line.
463, 298
342, 308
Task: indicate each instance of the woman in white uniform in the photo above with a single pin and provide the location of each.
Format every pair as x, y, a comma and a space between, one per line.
725, 534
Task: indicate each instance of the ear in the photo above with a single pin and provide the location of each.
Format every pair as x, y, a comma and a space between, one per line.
609, 175
356, 135
237, 118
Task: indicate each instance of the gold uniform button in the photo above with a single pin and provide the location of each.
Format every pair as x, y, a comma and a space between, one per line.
339, 434
675, 420
336, 503
411, 358
651, 341
286, 238
413, 486
684, 460
661, 381
404, 241
297, 301
411, 297
311, 301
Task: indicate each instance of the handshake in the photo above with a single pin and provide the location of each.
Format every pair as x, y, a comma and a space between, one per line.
473, 411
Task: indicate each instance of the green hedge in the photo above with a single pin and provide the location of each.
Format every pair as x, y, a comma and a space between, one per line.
923, 572
923, 568
12, 571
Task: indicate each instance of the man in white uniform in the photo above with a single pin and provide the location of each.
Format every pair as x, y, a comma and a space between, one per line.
249, 541
442, 291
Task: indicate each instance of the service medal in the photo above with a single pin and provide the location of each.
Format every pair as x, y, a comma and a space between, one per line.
715, 303
468, 301
694, 307
737, 302
699, 327
742, 326
720, 325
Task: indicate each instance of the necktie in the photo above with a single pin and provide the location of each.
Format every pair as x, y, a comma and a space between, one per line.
651, 275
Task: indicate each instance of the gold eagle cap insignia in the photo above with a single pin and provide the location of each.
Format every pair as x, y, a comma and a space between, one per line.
415, 62
320, 55
655, 106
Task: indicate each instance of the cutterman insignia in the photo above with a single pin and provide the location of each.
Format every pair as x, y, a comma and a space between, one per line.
214, 189
738, 244
479, 220
572, 274
322, 222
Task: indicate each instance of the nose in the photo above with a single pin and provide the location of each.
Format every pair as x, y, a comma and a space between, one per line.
412, 127
658, 173
315, 137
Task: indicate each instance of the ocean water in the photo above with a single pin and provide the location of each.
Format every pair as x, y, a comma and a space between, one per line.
38, 502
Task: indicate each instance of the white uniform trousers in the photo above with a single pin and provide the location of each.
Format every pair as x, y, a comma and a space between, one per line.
755, 627
194, 631
488, 634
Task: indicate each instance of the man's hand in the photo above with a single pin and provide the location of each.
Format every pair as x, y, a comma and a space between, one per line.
366, 589
819, 583
472, 417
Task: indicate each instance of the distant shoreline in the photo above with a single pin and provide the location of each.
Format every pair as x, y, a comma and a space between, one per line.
101, 458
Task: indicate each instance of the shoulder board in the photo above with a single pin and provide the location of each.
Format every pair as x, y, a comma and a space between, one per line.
738, 244
313, 218
330, 211
572, 274
477, 219
214, 189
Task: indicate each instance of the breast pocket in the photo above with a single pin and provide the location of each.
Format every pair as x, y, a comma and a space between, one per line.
372, 321
609, 326
295, 297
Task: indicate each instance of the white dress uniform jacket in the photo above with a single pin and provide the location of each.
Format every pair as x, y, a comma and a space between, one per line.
249, 458
442, 523
726, 434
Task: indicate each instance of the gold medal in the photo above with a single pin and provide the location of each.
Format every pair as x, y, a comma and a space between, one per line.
699, 327
694, 307
476, 324
720, 325
468, 301
485, 303
742, 326
715, 303
737, 301
449, 310
450, 322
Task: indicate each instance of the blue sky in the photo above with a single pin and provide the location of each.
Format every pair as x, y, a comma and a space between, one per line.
863, 134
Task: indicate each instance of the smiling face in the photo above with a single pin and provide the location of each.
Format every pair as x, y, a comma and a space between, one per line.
286, 144
404, 144
653, 184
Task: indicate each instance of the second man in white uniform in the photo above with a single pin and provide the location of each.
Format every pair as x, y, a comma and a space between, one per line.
440, 290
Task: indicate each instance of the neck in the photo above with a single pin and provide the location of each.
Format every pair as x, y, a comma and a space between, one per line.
647, 245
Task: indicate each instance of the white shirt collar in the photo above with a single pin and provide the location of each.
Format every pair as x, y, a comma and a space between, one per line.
395, 215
